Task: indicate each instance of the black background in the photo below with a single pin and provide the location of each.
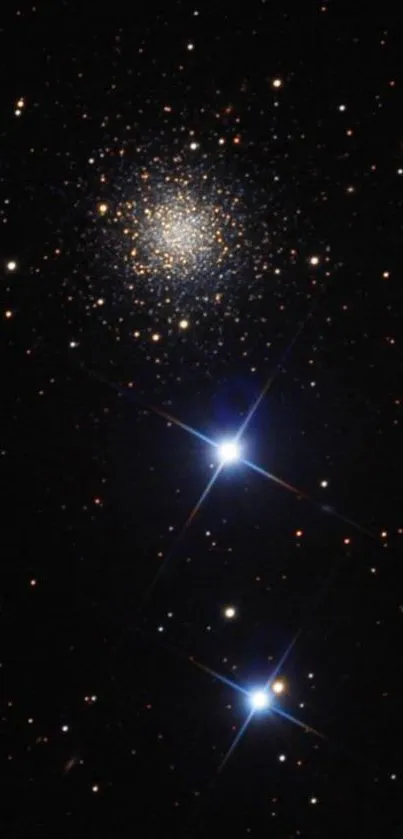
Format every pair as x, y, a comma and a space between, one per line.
94, 480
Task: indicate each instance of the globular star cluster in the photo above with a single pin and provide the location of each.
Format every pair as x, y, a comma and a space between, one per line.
176, 240
178, 229
201, 587
174, 232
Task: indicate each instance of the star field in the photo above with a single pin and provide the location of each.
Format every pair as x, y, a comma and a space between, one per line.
176, 232
201, 591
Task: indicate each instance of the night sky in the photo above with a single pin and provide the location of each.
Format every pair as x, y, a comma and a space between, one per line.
201, 589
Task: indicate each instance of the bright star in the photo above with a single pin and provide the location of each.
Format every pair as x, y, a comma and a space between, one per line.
260, 699
229, 451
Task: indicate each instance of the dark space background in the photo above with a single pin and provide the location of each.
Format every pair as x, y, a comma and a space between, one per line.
109, 726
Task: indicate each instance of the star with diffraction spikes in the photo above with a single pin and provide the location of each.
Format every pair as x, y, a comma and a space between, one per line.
229, 453
262, 699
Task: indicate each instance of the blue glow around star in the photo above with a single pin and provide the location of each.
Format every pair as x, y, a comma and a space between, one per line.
229, 451
260, 699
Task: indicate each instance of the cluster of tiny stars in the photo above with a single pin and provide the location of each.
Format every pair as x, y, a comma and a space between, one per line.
207, 241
